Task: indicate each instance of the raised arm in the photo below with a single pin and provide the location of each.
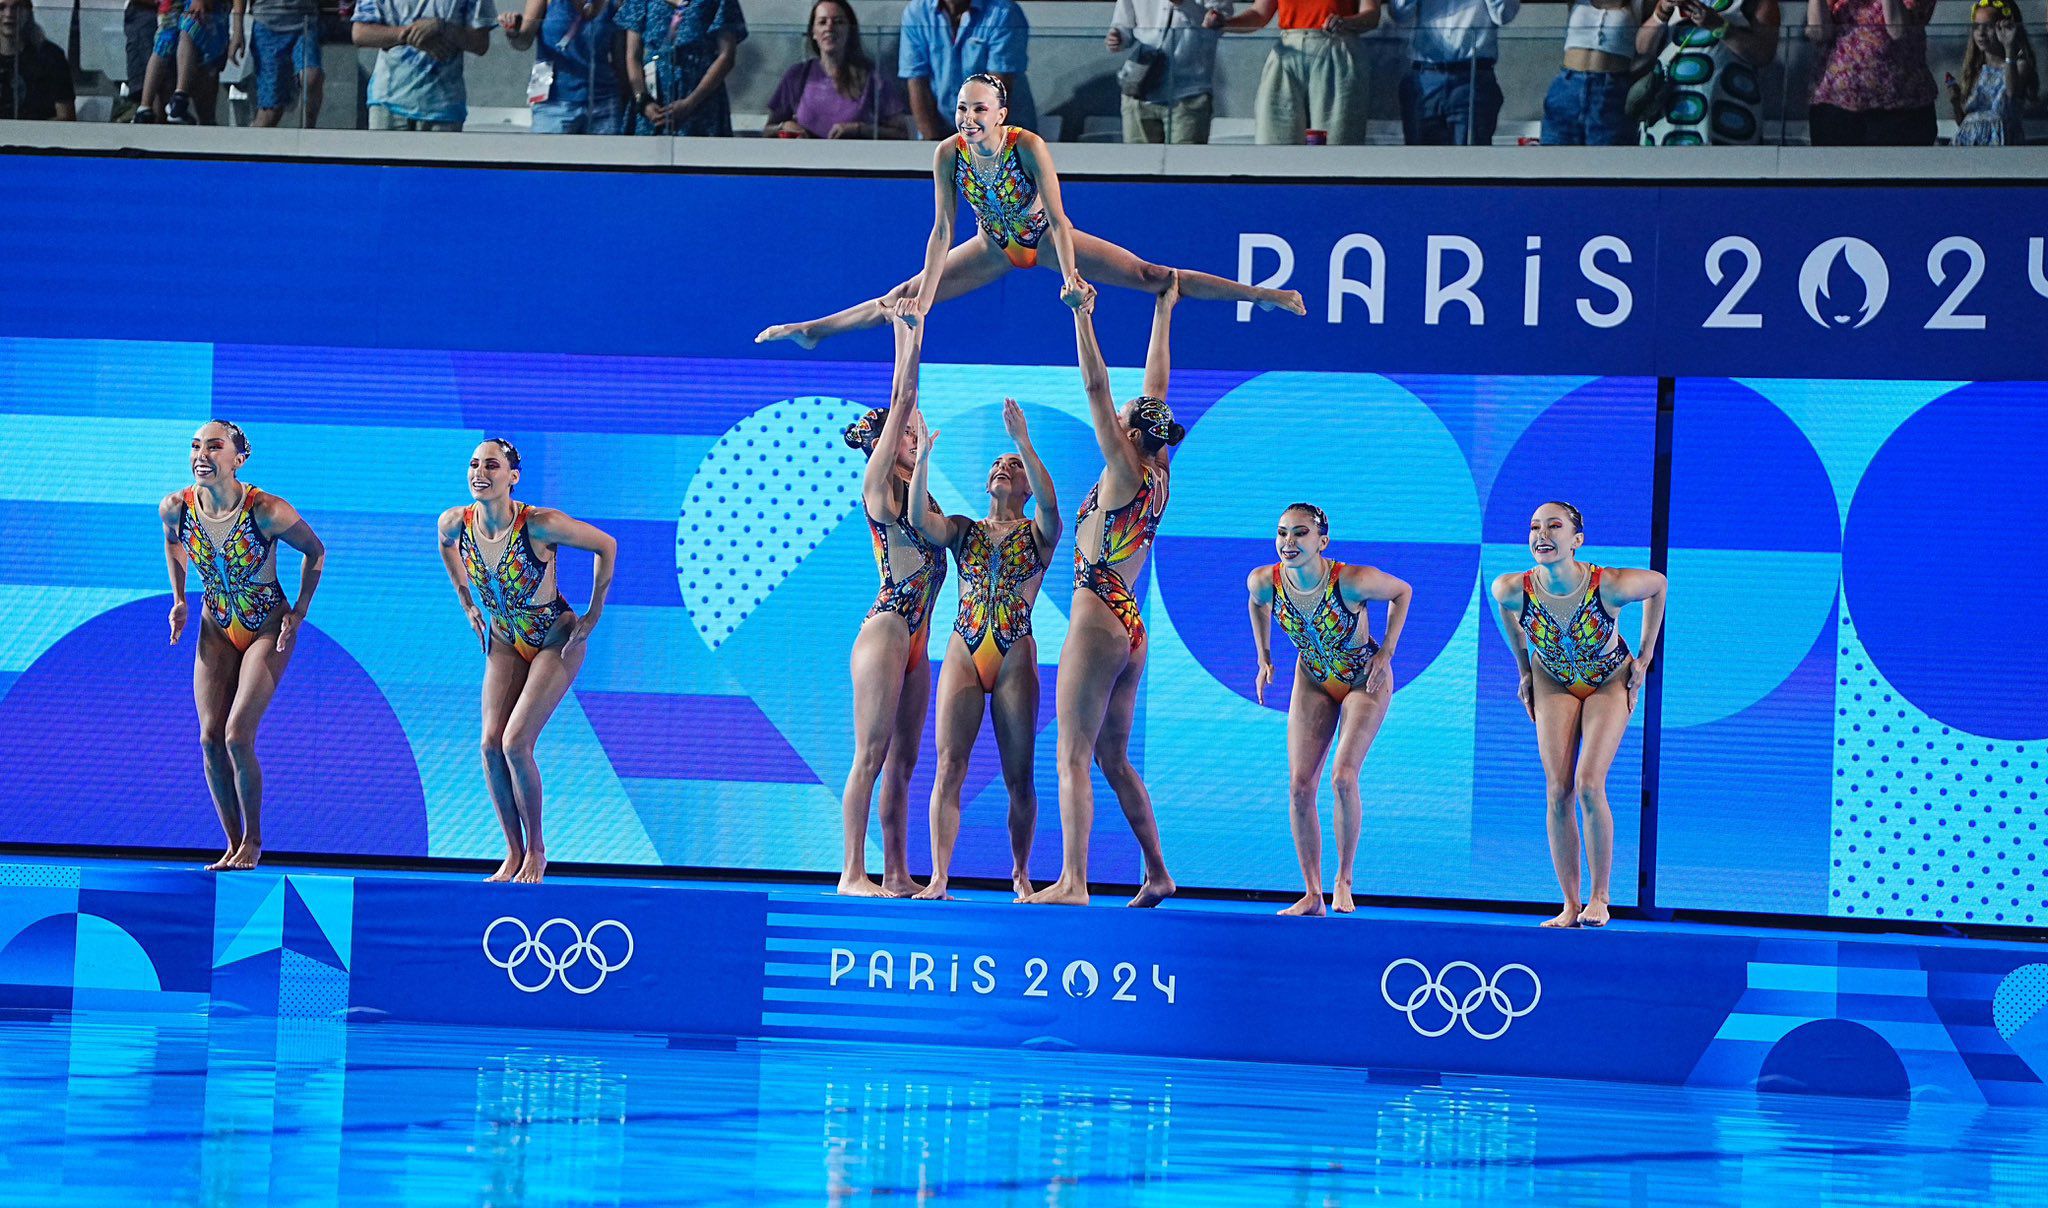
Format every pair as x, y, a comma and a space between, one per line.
875, 492
523, 26
1119, 456
449, 529
1159, 349
1507, 600
1037, 159
1260, 605
277, 519
558, 528
945, 208
937, 527
1046, 517
1623, 586
168, 512
1362, 583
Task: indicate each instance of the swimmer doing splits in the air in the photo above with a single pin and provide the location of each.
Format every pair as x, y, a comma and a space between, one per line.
1343, 682
1007, 174
228, 531
1579, 683
992, 656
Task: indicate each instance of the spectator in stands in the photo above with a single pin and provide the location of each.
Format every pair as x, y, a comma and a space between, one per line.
1315, 79
35, 77
138, 32
1874, 88
417, 83
1586, 104
190, 49
1724, 106
1999, 78
1170, 72
1450, 95
945, 41
836, 91
286, 43
678, 53
577, 85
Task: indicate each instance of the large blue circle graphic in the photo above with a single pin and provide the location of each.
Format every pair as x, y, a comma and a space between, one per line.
1942, 553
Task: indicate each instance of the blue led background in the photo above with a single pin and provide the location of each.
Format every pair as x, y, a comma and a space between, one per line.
710, 724
1854, 713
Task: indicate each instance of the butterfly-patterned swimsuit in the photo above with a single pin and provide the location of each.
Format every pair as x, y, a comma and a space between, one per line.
912, 596
237, 567
1575, 654
1126, 531
516, 588
1324, 636
995, 614
1006, 202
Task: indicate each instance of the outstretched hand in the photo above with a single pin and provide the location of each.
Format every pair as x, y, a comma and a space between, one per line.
1013, 423
178, 611
1076, 292
921, 441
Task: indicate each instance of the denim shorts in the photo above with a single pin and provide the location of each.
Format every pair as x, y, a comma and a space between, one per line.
1588, 109
280, 56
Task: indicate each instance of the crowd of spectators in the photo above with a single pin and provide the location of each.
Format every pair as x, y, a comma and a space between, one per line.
1655, 72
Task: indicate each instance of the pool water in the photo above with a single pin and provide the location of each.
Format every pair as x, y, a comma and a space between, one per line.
100, 1108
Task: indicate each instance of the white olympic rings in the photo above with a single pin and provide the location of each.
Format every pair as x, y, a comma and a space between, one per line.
533, 945
1458, 1009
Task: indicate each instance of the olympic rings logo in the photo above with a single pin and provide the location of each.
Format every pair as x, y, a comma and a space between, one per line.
1486, 997
556, 959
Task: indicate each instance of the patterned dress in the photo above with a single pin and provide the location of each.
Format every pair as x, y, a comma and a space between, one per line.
1991, 117
678, 41
1713, 96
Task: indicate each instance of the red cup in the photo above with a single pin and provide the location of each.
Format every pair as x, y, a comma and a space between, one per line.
1316, 138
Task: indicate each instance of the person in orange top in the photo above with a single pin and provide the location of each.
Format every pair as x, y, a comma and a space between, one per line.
1315, 79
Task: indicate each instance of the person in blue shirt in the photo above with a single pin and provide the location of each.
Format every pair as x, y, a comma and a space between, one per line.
945, 41
578, 66
678, 53
417, 84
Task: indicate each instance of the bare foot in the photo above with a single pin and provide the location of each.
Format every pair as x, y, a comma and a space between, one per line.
1594, 914
1568, 917
1288, 300
532, 870
1311, 904
900, 886
934, 892
245, 858
1061, 893
1340, 898
797, 333
857, 885
1153, 891
227, 858
509, 869
1020, 884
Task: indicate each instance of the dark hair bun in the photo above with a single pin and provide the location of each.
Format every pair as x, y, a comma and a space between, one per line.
1175, 434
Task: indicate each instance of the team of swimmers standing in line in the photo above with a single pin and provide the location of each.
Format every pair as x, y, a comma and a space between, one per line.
1579, 678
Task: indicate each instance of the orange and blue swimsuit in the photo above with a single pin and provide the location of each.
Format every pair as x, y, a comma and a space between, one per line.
515, 587
1575, 654
912, 596
1005, 202
237, 567
1126, 531
1323, 638
994, 612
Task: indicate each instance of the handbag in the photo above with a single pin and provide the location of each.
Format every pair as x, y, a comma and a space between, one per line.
1141, 71
1645, 102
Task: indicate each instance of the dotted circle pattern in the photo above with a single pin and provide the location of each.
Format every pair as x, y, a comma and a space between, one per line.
1929, 822
2019, 999
765, 496
39, 876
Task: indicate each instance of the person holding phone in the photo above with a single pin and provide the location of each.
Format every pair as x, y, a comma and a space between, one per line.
678, 54
1710, 60
533, 642
1874, 88
1998, 79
